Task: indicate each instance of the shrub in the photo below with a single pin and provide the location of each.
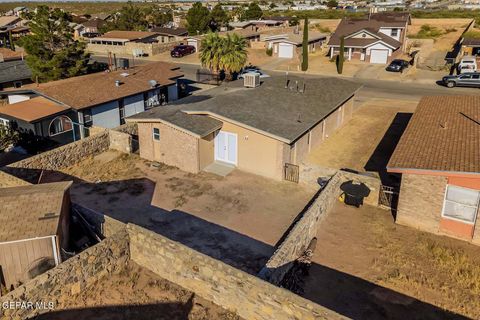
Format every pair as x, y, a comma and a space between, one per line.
269, 52
427, 32
472, 35
323, 29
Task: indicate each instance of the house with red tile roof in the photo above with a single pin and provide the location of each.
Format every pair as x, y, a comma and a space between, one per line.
438, 157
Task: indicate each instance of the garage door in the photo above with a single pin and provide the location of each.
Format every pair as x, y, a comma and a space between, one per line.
378, 56
285, 50
193, 43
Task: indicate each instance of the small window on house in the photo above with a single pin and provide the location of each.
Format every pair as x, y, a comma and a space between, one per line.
87, 117
156, 134
394, 33
17, 84
59, 125
461, 204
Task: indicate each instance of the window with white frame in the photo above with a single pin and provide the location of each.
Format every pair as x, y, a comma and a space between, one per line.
461, 204
156, 134
60, 125
394, 32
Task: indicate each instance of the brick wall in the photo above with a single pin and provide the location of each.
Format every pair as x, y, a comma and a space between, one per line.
421, 201
230, 288
70, 277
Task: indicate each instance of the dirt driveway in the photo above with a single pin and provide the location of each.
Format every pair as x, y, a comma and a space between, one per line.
237, 219
367, 267
366, 142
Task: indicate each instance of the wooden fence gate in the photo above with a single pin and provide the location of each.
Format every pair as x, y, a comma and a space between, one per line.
388, 197
291, 172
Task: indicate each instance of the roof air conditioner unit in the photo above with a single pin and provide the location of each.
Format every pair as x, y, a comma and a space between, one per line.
251, 80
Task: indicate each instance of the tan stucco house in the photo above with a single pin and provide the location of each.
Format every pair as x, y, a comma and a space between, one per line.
258, 130
438, 157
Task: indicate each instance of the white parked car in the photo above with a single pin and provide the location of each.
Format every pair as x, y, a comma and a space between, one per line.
467, 64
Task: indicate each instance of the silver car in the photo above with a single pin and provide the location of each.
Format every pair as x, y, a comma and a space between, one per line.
471, 79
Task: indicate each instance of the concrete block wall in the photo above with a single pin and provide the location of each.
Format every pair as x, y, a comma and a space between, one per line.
70, 277
248, 296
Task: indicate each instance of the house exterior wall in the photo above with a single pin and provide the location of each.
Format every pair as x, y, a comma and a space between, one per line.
388, 32
106, 115
206, 150
134, 104
175, 147
16, 258
257, 153
172, 93
421, 201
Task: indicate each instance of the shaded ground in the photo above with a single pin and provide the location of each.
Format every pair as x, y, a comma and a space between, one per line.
367, 267
366, 142
237, 219
136, 293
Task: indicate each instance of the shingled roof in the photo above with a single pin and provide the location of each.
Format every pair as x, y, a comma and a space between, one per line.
283, 113
97, 88
443, 135
31, 211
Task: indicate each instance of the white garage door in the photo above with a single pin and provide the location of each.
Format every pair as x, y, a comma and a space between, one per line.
285, 50
193, 43
378, 56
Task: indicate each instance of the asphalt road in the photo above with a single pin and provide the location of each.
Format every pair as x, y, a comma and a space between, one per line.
371, 88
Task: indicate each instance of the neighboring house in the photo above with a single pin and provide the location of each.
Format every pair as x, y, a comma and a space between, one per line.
61, 110
285, 20
93, 26
138, 43
377, 39
34, 228
170, 34
251, 37
9, 21
260, 130
471, 47
14, 72
289, 45
438, 157
256, 25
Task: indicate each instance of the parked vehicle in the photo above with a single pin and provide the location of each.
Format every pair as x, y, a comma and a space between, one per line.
182, 50
471, 79
254, 70
467, 64
397, 65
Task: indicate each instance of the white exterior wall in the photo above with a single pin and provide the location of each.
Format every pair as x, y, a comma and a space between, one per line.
172, 93
134, 104
388, 32
106, 115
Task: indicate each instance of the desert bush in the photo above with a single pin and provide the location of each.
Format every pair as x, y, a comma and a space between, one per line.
427, 32
269, 52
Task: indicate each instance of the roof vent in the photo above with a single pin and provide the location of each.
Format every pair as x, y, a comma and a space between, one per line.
251, 80
117, 83
124, 74
152, 83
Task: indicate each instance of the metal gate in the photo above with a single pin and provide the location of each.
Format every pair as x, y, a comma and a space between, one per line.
291, 172
388, 197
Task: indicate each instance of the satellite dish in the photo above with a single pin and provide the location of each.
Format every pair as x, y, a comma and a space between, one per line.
152, 83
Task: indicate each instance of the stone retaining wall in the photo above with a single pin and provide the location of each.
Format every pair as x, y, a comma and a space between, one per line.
228, 287
305, 229
70, 277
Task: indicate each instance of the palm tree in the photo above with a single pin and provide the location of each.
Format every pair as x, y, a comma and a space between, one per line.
211, 51
223, 53
234, 55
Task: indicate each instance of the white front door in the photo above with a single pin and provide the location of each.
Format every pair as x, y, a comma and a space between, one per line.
285, 50
226, 147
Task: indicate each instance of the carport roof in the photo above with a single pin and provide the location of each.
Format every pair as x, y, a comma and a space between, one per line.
271, 109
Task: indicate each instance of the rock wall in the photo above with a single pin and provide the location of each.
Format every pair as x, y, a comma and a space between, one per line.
103, 224
69, 278
230, 288
305, 229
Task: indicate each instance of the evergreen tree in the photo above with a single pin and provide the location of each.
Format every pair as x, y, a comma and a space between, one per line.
305, 46
341, 56
219, 18
52, 53
156, 17
253, 12
129, 18
198, 19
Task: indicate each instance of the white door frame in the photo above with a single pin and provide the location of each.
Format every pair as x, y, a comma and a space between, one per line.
384, 50
226, 134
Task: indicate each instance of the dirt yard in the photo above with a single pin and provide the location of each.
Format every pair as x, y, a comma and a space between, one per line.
382, 121
237, 219
137, 293
367, 267
451, 30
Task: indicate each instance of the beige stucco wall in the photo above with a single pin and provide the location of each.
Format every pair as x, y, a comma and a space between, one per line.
257, 153
421, 200
206, 150
175, 147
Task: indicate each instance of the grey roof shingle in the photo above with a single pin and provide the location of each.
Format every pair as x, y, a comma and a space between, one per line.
269, 108
14, 71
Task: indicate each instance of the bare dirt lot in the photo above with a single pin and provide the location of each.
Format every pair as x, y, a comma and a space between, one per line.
137, 293
237, 219
367, 267
366, 142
